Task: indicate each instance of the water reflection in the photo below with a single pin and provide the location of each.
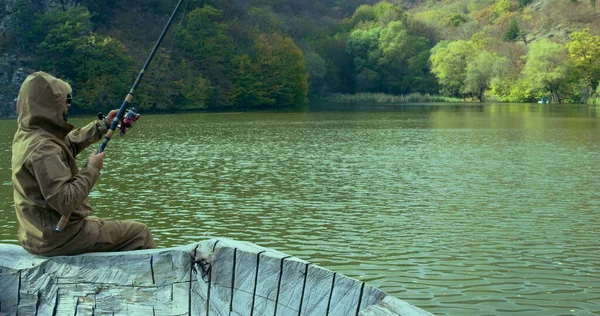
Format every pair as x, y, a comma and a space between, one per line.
462, 210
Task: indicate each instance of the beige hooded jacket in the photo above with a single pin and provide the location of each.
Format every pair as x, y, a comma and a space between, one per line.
47, 182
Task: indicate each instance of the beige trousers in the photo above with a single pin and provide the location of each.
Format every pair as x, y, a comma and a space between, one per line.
109, 235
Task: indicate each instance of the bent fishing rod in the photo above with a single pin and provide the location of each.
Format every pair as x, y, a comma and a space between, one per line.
131, 116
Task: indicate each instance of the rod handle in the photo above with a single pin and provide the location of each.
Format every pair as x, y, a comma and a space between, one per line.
62, 223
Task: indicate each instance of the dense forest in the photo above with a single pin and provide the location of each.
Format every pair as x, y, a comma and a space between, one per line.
239, 54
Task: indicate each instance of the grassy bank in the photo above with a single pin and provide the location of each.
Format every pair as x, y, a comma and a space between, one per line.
388, 98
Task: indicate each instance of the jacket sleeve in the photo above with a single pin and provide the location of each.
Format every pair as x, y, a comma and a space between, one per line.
79, 139
61, 191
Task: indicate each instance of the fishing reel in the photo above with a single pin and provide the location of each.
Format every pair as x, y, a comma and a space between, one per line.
130, 117
127, 122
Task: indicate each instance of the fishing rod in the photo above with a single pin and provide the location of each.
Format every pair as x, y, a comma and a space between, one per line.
131, 116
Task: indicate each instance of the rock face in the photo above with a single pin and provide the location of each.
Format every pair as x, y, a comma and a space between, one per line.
11, 77
13, 68
212, 277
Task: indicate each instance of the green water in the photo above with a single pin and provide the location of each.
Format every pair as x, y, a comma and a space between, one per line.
458, 209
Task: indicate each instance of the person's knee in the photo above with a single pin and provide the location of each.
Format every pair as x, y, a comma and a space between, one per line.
147, 236
146, 231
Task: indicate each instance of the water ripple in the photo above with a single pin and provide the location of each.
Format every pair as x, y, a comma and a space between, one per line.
461, 212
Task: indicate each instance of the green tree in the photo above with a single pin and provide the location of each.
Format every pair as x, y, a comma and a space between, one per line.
523, 3
317, 70
502, 6
206, 45
26, 26
455, 20
102, 10
196, 90
481, 71
511, 89
513, 33
449, 61
248, 90
340, 69
363, 48
388, 12
282, 70
403, 64
363, 13
584, 52
161, 90
265, 20
97, 66
547, 69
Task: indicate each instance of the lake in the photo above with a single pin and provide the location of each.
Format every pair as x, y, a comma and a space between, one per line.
460, 209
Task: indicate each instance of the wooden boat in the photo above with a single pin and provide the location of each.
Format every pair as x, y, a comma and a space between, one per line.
212, 277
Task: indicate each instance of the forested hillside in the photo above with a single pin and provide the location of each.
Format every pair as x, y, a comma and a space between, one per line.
516, 50
238, 54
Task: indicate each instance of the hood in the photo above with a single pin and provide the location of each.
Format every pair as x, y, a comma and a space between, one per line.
41, 104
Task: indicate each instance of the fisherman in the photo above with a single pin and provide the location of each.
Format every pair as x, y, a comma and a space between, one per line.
48, 184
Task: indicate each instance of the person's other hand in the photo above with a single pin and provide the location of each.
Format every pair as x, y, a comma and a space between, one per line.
110, 117
97, 160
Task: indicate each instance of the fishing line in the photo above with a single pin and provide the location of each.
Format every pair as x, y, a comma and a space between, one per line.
170, 50
161, 62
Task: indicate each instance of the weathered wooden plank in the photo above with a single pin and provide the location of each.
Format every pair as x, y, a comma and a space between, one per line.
401, 307
201, 255
245, 282
16, 258
371, 296
377, 310
292, 286
317, 292
168, 268
267, 289
345, 296
196, 302
37, 291
220, 279
260, 296
9, 280
213, 277
92, 269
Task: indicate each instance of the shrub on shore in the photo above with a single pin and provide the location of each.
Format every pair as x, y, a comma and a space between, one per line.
388, 98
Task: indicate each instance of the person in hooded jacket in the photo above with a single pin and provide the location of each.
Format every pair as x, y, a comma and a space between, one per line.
48, 184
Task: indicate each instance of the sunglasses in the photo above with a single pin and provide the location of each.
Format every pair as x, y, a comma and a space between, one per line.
69, 99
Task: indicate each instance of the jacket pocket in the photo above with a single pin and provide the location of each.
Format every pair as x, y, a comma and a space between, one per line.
46, 222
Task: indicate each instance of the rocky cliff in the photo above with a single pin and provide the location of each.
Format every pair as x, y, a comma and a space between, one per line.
12, 74
13, 68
